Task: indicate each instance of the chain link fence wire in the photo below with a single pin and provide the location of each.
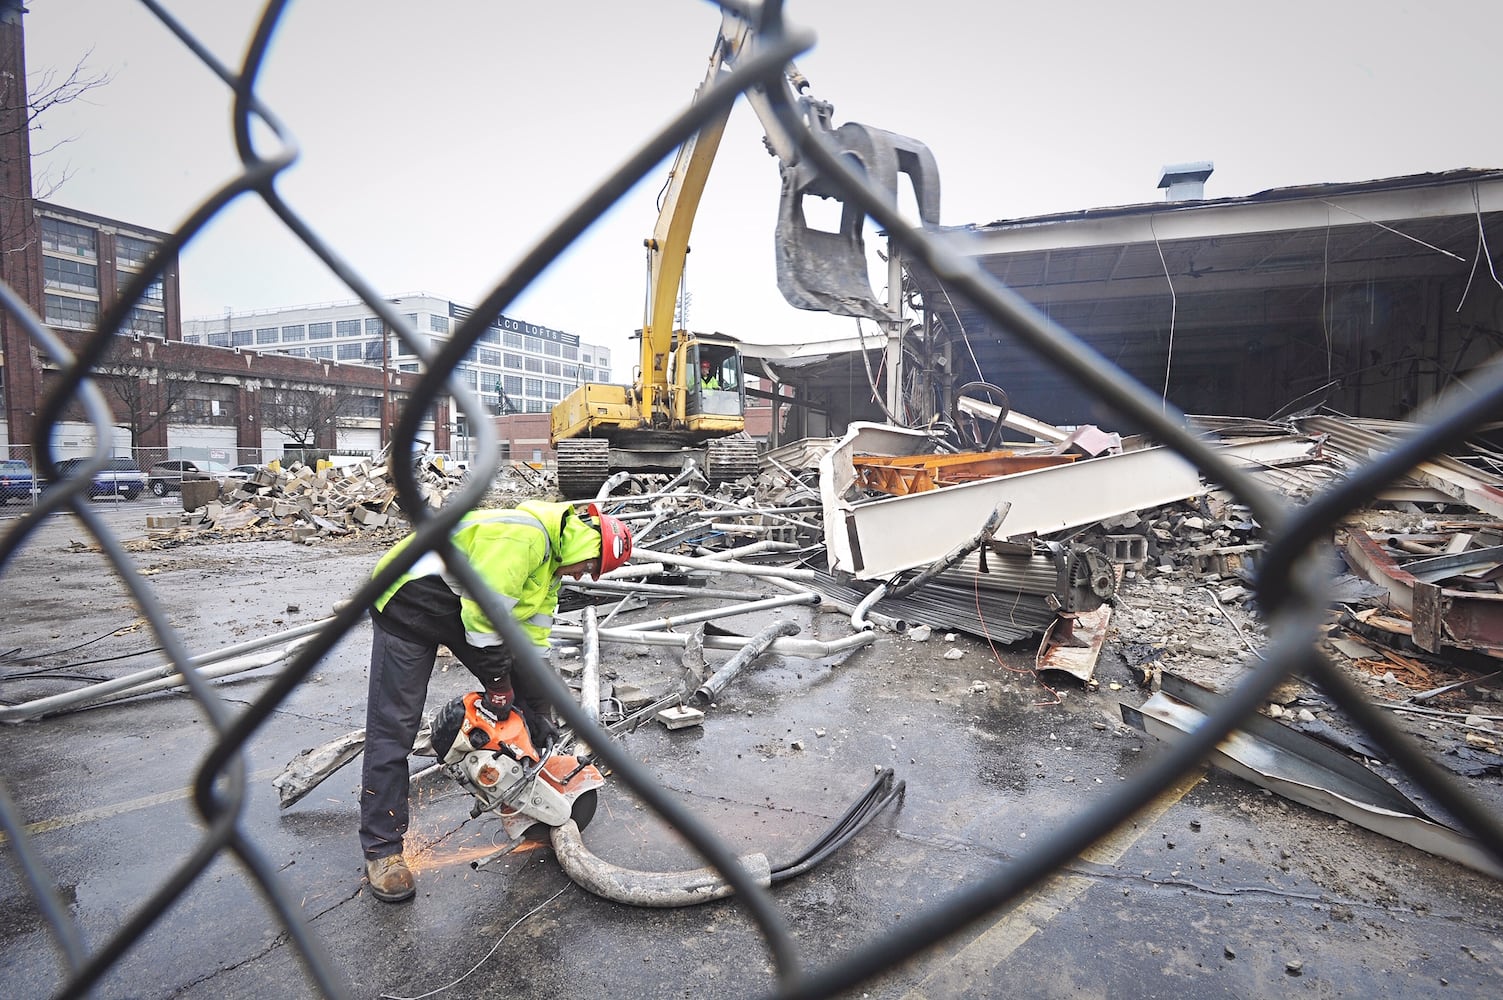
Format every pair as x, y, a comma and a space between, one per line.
1292, 585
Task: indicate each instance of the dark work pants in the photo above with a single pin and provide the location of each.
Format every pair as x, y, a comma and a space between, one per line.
404, 646
400, 668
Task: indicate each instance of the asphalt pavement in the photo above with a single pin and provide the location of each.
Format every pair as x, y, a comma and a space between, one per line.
1217, 889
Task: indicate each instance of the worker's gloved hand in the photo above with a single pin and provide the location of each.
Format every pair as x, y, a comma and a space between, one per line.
539, 725
499, 697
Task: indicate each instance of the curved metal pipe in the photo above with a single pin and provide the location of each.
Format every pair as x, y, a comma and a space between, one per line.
858, 617
959, 552
655, 889
754, 648
831, 601
610, 484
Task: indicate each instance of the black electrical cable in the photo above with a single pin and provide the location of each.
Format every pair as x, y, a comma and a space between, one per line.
819, 857
877, 796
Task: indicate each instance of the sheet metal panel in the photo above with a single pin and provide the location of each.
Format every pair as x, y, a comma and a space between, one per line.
879, 538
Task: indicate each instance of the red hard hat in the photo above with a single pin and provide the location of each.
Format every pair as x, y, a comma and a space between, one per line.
615, 540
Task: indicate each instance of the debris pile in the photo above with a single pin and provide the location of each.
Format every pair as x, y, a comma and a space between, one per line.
302, 503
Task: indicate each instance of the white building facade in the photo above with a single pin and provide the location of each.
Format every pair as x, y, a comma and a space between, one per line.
516, 367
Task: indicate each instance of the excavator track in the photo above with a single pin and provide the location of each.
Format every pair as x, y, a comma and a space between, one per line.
584, 464
729, 459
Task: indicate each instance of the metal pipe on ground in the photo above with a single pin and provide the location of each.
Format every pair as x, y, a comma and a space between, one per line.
844, 606
589, 675
229, 660
653, 889
730, 566
765, 545
725, 611
858, 616
754, 648
659, 590
809, 649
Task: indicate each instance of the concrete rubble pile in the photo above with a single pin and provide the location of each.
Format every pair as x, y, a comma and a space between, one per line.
302, 503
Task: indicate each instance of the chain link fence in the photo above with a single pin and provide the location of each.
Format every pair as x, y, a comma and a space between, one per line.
1292, 584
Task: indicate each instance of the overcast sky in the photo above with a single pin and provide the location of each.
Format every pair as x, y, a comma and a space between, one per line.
440, 139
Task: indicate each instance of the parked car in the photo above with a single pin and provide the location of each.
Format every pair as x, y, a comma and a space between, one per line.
119, 477
245, 471
17, 481
167, 477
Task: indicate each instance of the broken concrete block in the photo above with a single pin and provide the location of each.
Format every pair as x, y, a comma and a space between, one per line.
954, 654
920, 633
630, 696
368, 517
680, 717
161, 522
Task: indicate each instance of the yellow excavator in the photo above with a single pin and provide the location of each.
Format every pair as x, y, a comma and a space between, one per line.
687, 400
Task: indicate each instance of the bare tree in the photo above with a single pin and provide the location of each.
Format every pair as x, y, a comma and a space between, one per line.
148, 388
302, 413
47, 90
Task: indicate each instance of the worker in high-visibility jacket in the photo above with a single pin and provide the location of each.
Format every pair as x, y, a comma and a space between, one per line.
522, 554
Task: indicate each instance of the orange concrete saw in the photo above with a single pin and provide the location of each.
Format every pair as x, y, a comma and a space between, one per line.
493, 757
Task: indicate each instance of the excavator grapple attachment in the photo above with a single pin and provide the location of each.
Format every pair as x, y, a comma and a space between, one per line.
827, 272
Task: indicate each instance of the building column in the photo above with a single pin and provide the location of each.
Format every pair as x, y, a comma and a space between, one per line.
20, 235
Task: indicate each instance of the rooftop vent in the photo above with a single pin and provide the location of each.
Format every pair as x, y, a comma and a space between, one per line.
1186, 181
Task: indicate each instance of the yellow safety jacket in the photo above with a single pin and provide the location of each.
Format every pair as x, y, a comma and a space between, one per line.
517, 552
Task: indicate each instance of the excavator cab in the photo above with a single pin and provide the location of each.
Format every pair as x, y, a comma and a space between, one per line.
715, 381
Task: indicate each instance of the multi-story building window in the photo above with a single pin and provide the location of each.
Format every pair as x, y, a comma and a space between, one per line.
533, 386
61, 236
512, 339
374, 326
133, 253
266, 335
553, 348
490, 335
534, 345
348, 327
571, 353
147, 321
552, 390
536, 406
320, 331
512, 384
70, 275
438, 324
219, 339
62, 310
571, 373
242, 338
325, 351
509, 360
552, 368
533, 365
351, 352
296, 332
468, 378
490, 358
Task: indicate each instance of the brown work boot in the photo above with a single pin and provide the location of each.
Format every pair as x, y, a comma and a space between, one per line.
390, 879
